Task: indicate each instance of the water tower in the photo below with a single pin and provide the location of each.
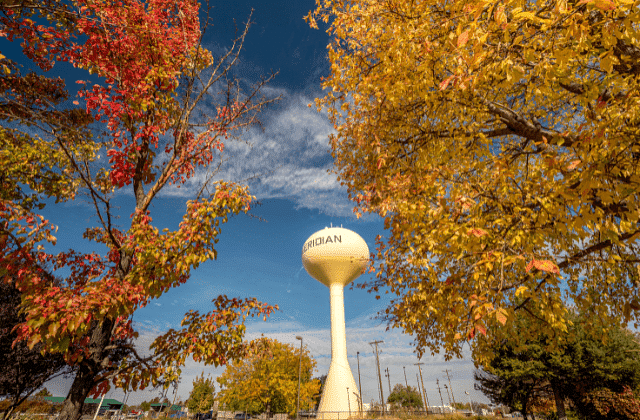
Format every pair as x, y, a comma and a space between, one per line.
335, 257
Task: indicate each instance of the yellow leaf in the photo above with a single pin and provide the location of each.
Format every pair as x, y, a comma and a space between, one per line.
521, 290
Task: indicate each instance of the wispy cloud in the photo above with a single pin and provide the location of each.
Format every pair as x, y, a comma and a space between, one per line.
288, 158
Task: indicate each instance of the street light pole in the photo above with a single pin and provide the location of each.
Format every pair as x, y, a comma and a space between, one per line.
299, 374
470, 403
359, 385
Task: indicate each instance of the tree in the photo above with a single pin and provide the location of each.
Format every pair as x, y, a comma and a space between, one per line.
44, 392
316, 398
145, 406
405, 397
22, 370
518, 393
143, 113
268, 380
499, 142
202, 395
527, 371
607, 405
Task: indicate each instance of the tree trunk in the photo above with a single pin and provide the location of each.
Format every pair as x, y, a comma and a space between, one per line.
88, 370
83, 383
557, 395
9, 412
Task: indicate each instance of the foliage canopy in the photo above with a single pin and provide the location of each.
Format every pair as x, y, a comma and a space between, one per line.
139, 129
202, 395
22, 369
590, 375
267, 381
499, 142
405, 397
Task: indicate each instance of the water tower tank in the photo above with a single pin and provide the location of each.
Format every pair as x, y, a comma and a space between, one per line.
335, 255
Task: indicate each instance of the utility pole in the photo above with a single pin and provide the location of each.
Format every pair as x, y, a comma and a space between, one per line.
426, 398
388, 379
446, 388
438, 384
379, 375
450, 387
420, 392
359, 385
405, 377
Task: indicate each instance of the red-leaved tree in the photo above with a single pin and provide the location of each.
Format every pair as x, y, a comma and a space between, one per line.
145, 116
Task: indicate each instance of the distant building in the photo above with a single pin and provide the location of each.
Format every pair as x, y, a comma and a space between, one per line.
91, 404
162, 407
441, 409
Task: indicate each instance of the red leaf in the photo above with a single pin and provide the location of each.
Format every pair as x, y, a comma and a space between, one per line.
477, 232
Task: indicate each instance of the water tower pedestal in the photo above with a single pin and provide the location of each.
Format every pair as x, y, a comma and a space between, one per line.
335, 257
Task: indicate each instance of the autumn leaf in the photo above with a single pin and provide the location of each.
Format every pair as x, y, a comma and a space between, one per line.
478, 232
543, 265
462, 39
445, 82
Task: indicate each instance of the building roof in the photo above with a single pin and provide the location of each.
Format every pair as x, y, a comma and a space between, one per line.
107, 402
174, 407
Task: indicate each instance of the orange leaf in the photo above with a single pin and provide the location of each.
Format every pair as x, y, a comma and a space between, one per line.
445, 82
543, 265
573, 165
463, 38
604, 4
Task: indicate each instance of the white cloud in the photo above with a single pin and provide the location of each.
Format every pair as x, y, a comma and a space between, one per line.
289, 158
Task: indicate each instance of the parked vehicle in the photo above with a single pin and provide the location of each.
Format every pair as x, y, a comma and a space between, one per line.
206, 416
243, 416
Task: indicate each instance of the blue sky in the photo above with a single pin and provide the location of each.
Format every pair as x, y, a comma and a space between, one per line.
262, 259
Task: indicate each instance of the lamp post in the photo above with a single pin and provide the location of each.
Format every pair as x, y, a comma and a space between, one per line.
359, 383
470, 404
299, 373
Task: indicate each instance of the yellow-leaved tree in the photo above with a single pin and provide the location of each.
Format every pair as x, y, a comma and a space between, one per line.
267, 380
500, 142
